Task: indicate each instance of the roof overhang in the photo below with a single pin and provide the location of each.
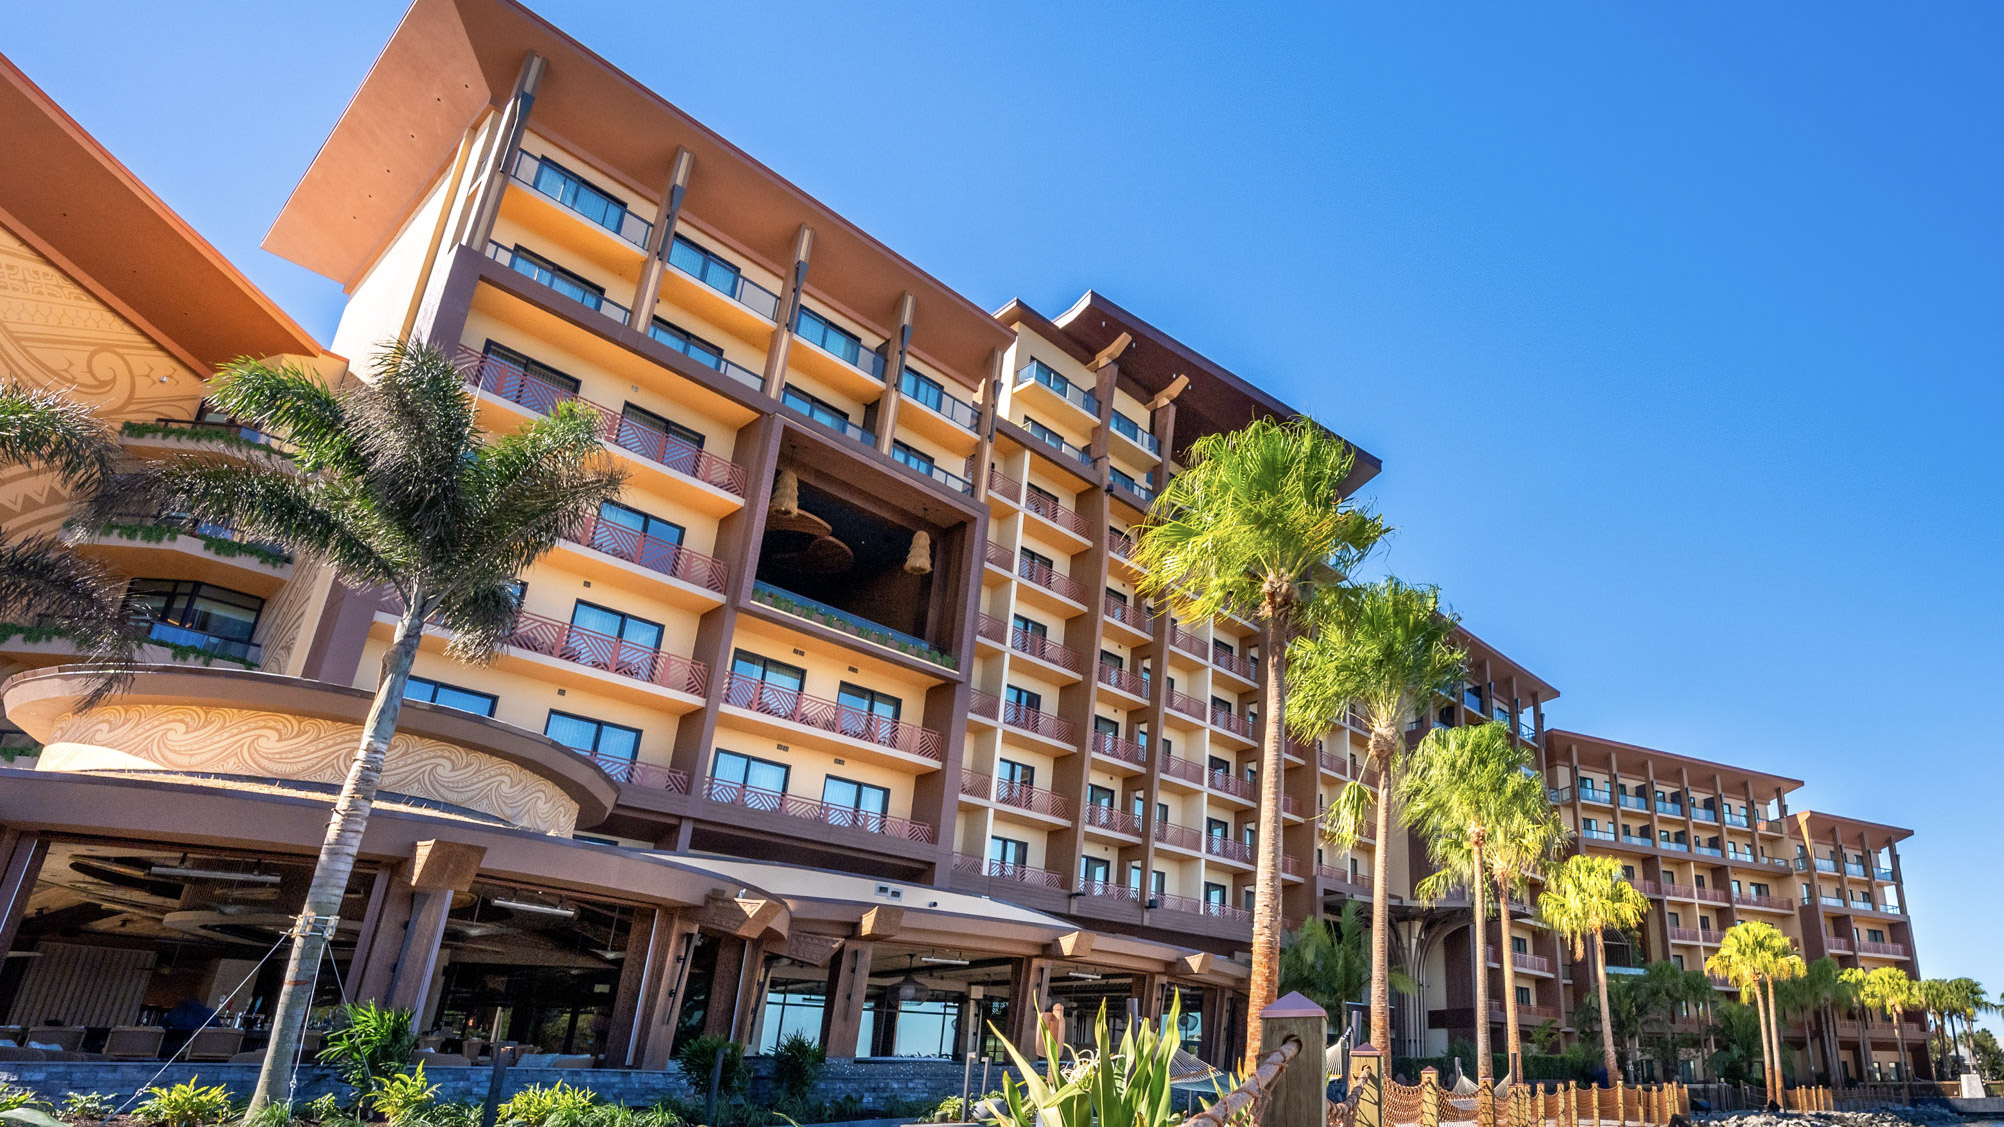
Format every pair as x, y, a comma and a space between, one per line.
1556, 738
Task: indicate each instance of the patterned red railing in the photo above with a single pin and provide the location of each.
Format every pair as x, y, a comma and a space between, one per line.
793, 806
1055, 513
1111, 819
1037, 800
1337, 765
1126, 680
1343, 876
1778, 903
1120, 544
1113, 747
1041, 647
1050, 580
1888, 950
1026, 874
1002, 485
1290, 805
1289, 867
1107, 889
992, 628
1188, 705
1187, 642
1197, 907
1224, 782
1182, 837
641, 774
1189, 770
1227, 720
984, 704
1715, 895
650, 552
555, 638
1230, 848
1233, 663
1045, 724
998, 555
1683, 935
510, 382
750, 693
975, 783
1127, 614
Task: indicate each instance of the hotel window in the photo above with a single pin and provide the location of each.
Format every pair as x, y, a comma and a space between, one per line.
1874, 935
1108, 657
1020, 774
1220, 704
1217, 828
593, 737
1523, 995
629, 631
573, 286
1040, 559
1519, 945
580, 195
846, 802
913, 457
776, 673
816, 408
924, 389
734, 769
1674, 921
659, 424
1041, 493
1032, 627
1099, 796
1158, 883
687, 343
871, 715
1023, 698
1124, 480
764, 685
1106, 726
202, 615
1009, 851
621, 527
450, 696
1214, 894
705, 267
1628, 872
1679, 960
1095, 870
534, 369
1117, 596
824, 334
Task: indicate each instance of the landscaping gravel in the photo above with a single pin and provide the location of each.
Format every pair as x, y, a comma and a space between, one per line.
1902, 1118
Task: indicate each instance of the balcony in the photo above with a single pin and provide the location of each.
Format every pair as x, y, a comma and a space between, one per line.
1045, 724
1003, 486
1111, 820
754, 695
1119, 544
1127, 614
1558, 796
1837, 944
1189, 643
1360, 881
1003, 870
1592, 834
1335, 764
1771, 903
1051, 580
1634, 802
854, 625
1056, 513
564, 189
1228, 848
561, 283
723, 278
1225, 720
1598, 795
1037, 372
1670, 808
805, 408
924, 466
1535, 964
1043, 649
1882, 950
1708, 851
794, 806
1224, 782
555, 638
511, 384
1190, 905
1674, 846
1739, 820
1123, 680
1119, 750
1179, 837
236, 649
1825, 865
637, 774
1713, 895
651, 552
1684, 935
1072, 453
999, 556
1187, 705
1701, 814
940, 402
1187, 770
1036, 800
1241, 667
230, 435
1142, 490
976, 784
1133, 432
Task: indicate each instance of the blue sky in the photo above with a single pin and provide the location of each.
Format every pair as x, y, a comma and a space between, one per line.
1677, 329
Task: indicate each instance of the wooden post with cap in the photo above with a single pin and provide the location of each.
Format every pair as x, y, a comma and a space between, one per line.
1300, 1094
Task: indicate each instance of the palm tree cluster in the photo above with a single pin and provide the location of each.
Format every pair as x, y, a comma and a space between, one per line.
1753, 956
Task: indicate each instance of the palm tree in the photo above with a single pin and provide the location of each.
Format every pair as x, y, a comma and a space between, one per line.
1330, 963
1584, 896
1477, 800
1970, 1000
1752, 955
1889, 991
1387, 651
1258, 526
1822, 990
1938, 999
397, 490
42, 580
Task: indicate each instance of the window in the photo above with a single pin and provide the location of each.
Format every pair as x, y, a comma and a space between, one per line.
1095, 870
593, 737
1106, 726
580, 195
659, 424
1117, 596
1679, 960
705, 267
1158, 883
1039, 558
871, 715
1099, 796
765, 685
1220, 704
610, 639
1023, 698
1008, 851
1040, 492
824, 334
1628, 872
816, 408
913, 457
202, 615
1217, 828
1519, 945
1108, 657
630, 534
1032, 627
535, 369
1523, 995
1021, 774
846, 802
1214, 893
1759, 889
750, 772
1699, 880
687, 343
571, 285
924, 389
1674, 921
451, 696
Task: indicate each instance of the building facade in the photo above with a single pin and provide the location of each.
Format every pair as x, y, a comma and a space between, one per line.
846, 719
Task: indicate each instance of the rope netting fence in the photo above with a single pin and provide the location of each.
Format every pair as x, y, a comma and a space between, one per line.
1247, 1103
1427, 1104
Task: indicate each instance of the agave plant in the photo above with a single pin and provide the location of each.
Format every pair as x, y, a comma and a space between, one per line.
1124, 1084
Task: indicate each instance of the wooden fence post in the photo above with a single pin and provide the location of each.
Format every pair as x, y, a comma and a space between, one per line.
1429, 1097
1299, 1096
1569, 1109
1367, 1074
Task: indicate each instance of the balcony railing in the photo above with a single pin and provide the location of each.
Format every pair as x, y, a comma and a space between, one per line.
1060, 386
641, 774
999, 555
1708, 851
1036, 800
1043, 649
1055, 513
1108, 890
1045, 724
1132, 431
1715, 895
1634, 802
1224, 782
1537, 964
976, 784
591, 297
713, 272
1777, 903
1058, 443
1217, 910
1230, 848
651, 552
1187, 642
926, 467
1188, 705
1599, 795
794, 806
1051, 580
1003, 870
1113, 747
806, 409
1126, 613
1703, 815
1361, 880
1188, 770
1181, 837
563, 188
1233, 663
931, 396
237, 649
992, 628
1335, 764
556, 638
1739, 820
1884, 950
1683, 935
1125, 680
512, 383
1838, 944
984, 704
1004, 486
1227, 720
752, 694
1111, 819
1120, 544
1592, 834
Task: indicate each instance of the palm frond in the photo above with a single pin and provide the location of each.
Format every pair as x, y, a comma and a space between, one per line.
293, 401
1386, 649
45, 427
46, 585
1348, 816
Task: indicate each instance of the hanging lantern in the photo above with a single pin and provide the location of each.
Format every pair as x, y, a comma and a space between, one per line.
918, 561
786, 494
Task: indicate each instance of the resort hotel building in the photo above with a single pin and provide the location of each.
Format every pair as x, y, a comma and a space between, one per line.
845, 720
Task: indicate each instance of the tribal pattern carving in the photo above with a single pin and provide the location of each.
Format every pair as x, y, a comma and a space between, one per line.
232, 741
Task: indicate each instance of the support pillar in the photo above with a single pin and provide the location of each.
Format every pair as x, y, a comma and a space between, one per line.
508, 142
403, 949
660, 241
1298, 1094
1030, 991
789, 309
22, 854
896, 350
848, 993
657, 1036
646, 979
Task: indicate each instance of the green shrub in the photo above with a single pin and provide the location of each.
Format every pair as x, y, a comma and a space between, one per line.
88, 1107
559, 1104
698, 1055
797, 1064
186, 1104
451, 1113
403, 1096
370, 1044
952, 1110
324, 1109
12, 1097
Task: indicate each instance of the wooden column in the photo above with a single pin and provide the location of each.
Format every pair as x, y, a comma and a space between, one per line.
1298, 1094
789, 307
438, 870
647, 978
658, 1030
848, 993
896, 350
22, 853
660, 240
501, 155
1029, 994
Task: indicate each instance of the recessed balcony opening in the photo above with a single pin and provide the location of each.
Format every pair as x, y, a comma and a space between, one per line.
857, 569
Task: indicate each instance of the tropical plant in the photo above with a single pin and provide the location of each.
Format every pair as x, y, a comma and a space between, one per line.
698, 1055
12, 1097
1741, 1040
559, 1103
43, 581
1384, 650
368, 1045
953, 1109
1330, 963
1258, 526
88, 1107
1970, 999
1663, 994
797, 1064
403, 1096
393, 486
1585, 896
1984, 1055
1125, 1082
1823, 991
1474, 795
1753, 956
187, 1104
1892, 992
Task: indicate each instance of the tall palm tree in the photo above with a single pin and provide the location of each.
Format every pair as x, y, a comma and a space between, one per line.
1823, 991
1258, 526
1892, 992
1387, 651
1938, 998
397, 490
1329, 963
1752, 955
1476, 799
43, 581
1584, 897
1971, 999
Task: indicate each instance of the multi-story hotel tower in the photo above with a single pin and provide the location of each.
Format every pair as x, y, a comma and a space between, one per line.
845, 720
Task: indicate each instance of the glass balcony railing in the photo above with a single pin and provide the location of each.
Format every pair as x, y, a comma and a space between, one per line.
572, 192
1133, 432
1060, 386
1634, 802
1739, 820
831, 338
826, 418
1591, 793
703, 353
1127, 482
239, 649
928, 394
721, 275
926, 467
1704, 815
1670, 808
563, 282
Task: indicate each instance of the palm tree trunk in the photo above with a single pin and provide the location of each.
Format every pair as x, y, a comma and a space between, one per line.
337, 861
1263, 986
1864, 1043
1485, 1061
1900, 1046
1774, 1032
1382, 746
1606, 1015
1512, 1039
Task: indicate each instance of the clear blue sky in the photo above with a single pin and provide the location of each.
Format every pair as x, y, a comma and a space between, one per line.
1677, 329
